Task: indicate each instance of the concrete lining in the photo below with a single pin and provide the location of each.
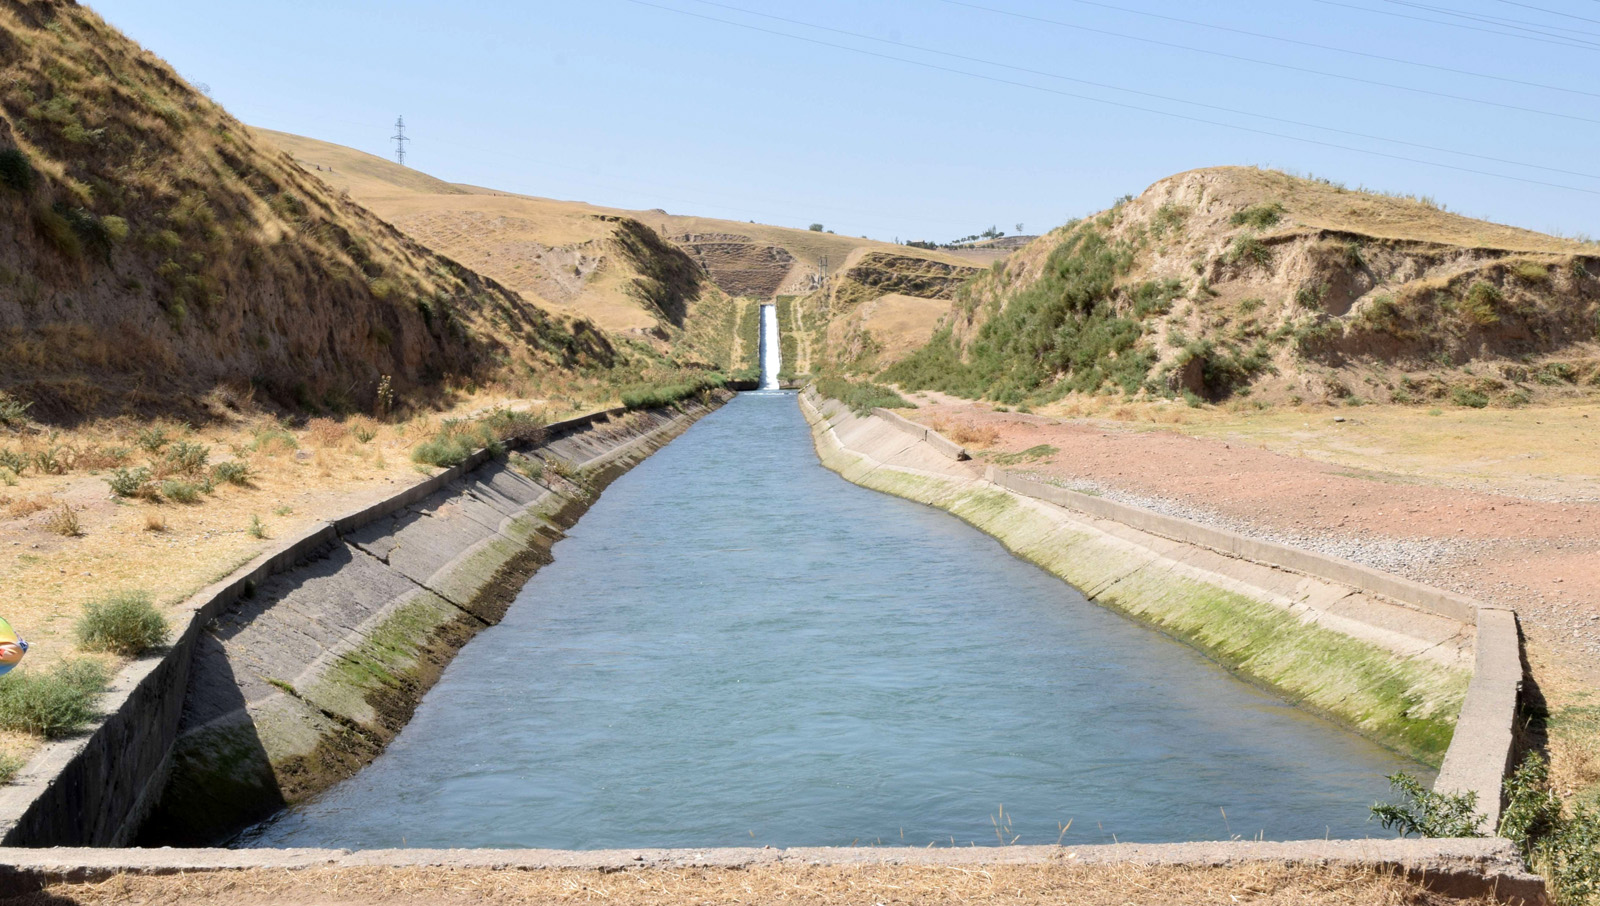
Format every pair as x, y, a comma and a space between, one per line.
298, 614
1408, 618
1472, 868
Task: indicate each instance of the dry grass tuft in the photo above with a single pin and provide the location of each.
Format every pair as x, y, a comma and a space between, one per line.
326, 433
155, 522
63, 521
26, 506
967, 434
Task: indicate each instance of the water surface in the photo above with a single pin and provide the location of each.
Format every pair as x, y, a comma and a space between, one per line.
736, 646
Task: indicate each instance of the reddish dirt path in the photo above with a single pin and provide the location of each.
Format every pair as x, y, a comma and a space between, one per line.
1541, 557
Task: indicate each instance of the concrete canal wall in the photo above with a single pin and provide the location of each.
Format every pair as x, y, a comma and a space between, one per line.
1430, 673
295, 671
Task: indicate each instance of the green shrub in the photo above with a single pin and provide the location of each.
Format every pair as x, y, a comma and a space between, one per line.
453, 443
152, 439
1062, 333
179, 491
1481, 304
50, 461
513, 426
1562, 846
13, 461
1155, 297
52, 703
1246, 247
13, 412
657, 396
1425, 813
1258, 216
187, 458
1466, 396
15, 170
256, 528
129, 482
1530, 272
125, 623
233, 472
862, 396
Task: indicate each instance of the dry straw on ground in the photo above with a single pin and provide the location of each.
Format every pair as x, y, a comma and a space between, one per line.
1123, 885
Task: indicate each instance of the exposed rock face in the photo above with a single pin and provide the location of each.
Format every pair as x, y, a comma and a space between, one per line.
739, 265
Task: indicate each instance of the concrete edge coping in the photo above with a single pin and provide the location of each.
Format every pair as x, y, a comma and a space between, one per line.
1464, 867
939, 442
1482, 747
41, 771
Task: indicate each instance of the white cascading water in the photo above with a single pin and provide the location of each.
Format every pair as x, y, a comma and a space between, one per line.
771, 356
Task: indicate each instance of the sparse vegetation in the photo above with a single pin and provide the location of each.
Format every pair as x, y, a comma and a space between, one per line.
124, 623
51, 703
63, 521
1258, 216
1425, 813
862, 396
1563, 844
1481, 304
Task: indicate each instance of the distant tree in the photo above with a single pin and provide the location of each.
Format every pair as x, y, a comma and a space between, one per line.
816, 228
1019, 229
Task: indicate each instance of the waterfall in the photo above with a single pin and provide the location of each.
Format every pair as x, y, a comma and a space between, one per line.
771, 354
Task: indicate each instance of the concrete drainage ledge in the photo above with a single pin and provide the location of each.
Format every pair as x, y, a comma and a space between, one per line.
1464, 868
294, 671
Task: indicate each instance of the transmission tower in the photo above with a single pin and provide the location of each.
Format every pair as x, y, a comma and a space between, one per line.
400, 140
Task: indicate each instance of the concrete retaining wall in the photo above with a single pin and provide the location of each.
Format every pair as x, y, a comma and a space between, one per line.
938, 442
297, 668
1376, 603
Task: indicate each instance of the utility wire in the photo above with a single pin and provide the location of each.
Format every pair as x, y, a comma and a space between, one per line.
1553, 12
1487, 31
1267, 37
1119, 104
1515, 24
1148, 94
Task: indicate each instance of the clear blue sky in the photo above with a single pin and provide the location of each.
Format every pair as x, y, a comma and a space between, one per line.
624, 104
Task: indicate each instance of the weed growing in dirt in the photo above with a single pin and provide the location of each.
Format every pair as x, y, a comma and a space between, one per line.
1481, 304
256, 528
179, 491
52, 703
129, 482
13, 412
1248, 248
233, 472
152, 439
125, 623
185, 458
63, 521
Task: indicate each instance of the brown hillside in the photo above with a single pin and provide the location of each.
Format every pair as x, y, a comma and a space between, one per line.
563, 255
1234, 280
153, 249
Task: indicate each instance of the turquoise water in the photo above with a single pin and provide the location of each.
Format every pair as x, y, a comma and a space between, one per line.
736, 646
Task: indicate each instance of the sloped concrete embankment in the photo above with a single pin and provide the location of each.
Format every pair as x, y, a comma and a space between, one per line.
1431, 674
295, 671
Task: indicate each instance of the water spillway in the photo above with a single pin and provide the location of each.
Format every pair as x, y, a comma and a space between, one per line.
771, 348
737, 647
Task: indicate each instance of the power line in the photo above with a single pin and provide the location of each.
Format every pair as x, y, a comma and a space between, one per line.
1162, 97
1553, 12
1119, 104
1487, 31
400, 140
1537, 28
1279, 38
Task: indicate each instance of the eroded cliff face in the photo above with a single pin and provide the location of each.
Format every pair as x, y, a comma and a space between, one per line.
1226, 280
152, 249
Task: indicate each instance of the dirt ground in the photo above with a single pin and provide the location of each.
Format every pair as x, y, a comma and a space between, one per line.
1501, 505
1262, 884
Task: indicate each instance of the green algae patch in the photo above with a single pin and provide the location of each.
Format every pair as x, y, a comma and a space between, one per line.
1407, 704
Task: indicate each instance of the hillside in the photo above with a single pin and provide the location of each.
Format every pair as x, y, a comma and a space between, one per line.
153, 249
565, 256
1234, 281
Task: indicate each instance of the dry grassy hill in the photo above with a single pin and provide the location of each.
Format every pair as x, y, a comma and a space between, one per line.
154, 249
1234, 281
565, 256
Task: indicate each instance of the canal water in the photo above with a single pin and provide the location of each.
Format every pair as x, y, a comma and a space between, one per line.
737, 647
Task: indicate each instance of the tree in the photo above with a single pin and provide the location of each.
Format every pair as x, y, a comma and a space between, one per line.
1019, 229
816, 228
